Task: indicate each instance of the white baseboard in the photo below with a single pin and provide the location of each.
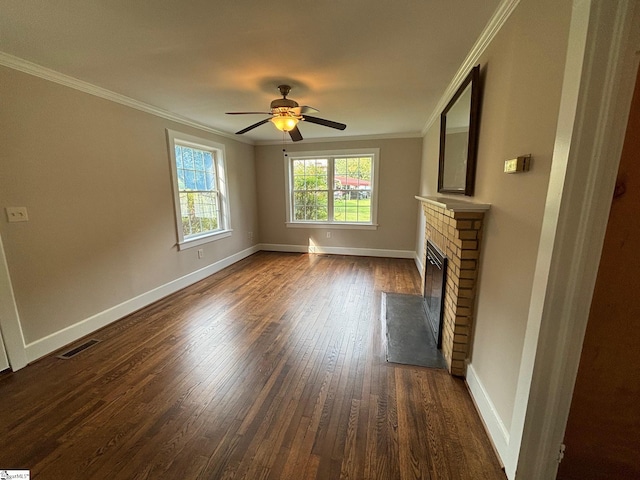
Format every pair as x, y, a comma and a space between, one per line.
277, 247
495, 427
419, 264
59, 339
70, 334
362, 252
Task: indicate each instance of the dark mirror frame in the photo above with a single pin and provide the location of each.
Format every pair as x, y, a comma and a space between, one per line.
472, 78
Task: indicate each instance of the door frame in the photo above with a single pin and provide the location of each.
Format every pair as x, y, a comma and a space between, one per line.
600, 73
9, 318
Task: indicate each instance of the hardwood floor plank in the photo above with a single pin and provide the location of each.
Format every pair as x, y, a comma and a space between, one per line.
273, 368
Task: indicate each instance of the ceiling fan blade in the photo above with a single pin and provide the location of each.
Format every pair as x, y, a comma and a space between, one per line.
248, 113
297, 111
308, 109
295, 134
251, 127
326, 123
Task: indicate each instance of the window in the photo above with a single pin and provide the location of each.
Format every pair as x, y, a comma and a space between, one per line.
199, 184
336, 188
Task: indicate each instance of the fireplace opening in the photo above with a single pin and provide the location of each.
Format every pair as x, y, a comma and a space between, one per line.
435, 277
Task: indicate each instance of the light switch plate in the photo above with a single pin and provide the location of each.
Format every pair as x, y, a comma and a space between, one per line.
516, 165
17, 214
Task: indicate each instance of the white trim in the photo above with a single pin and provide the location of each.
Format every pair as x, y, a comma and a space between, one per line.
500, 16
63, 337
335, 152
333, 225
9, 318
591, 126
202, 239
420, 241
495, 426
319, 249
219, 163
279, 247
455, 204
46, 73
331, 155
418, 262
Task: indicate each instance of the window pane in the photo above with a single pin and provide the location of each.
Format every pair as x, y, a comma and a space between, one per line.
298, 167
210, 177
187, 157
181, 180
352, 184
299, 213
364, 213
201, 183
309, 213
310, 174
340, 210
310, 206
310, 196
198, 159
199, 203
189, 180
178, 156
322, 206
350, 191
199, 212
299, 182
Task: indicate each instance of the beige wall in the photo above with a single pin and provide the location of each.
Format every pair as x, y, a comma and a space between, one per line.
399, 175
522, 71
95, 178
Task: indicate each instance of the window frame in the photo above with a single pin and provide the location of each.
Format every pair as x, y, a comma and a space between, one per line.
331, 155
218, 153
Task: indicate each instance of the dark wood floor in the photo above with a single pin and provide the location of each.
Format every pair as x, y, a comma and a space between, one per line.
273, 368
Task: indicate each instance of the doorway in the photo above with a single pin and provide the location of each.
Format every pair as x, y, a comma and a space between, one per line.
602, 436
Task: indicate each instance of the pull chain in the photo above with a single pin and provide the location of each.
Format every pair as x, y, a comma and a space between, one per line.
284, 139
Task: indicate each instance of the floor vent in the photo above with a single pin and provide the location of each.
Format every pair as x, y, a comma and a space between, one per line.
80, 348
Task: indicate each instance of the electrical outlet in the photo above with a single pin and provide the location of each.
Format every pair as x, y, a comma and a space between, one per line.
200, 253
17, 214
250, 235
328, 234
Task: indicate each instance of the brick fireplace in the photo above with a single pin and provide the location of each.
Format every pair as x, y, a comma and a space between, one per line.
455, 227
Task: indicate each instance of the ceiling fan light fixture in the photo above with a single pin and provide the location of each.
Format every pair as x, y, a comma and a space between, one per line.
285, 123
285, 115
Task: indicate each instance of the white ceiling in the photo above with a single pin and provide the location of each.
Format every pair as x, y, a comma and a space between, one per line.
380, 66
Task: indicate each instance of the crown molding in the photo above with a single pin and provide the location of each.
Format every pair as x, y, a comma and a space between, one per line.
389, 136
500, 16
36, 70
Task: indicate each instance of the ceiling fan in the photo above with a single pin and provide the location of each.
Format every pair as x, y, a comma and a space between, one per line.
285, 115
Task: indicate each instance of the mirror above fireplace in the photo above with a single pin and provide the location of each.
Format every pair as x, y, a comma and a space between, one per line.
459, 138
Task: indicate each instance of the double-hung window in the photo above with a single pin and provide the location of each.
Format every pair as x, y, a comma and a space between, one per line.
337, 188
199, 185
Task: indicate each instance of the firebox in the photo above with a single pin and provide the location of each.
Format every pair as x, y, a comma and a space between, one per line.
435, 278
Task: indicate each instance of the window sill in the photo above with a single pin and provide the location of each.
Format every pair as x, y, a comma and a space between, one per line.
333, 225
202, 239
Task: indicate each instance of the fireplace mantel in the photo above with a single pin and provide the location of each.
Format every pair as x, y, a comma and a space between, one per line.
455, 204
455, 227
